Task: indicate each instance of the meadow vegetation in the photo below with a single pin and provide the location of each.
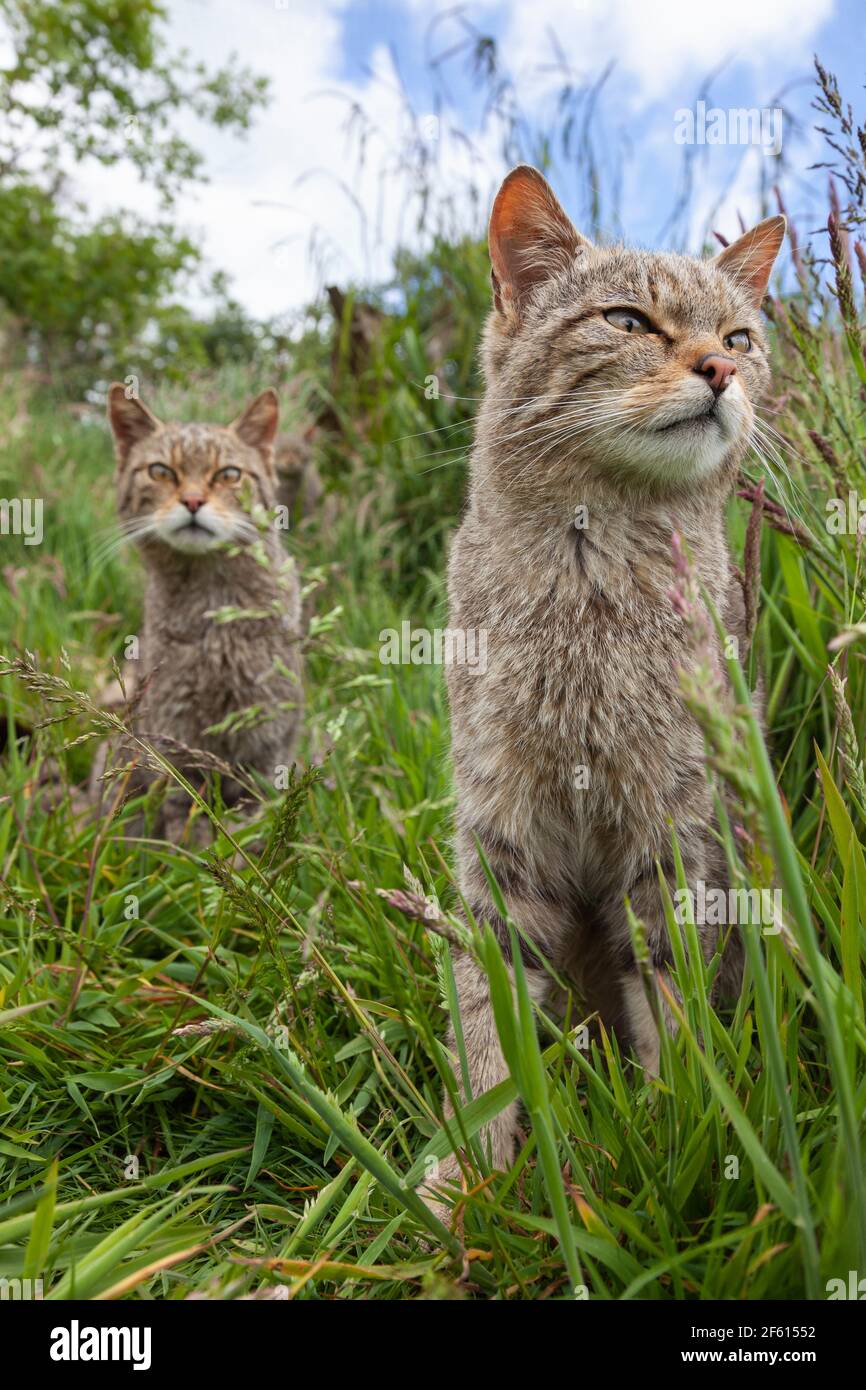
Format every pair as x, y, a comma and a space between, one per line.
222, 1071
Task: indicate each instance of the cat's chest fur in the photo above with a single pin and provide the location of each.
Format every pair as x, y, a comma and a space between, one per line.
216, 633
578, 717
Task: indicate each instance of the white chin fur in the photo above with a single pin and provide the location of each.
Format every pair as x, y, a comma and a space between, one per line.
210, 530
689, 451
695, 449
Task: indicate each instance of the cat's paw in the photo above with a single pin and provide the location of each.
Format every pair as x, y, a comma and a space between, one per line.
431, 1192
441, 1209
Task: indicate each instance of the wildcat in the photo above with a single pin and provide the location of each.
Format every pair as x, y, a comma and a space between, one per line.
619, 390
186, 495
299, 483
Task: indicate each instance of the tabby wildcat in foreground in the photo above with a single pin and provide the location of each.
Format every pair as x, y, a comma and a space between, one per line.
185, 496
620, 382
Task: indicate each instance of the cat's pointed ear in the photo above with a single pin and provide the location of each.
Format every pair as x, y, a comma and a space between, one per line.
258, 424
129, 418
749, 260
530, 238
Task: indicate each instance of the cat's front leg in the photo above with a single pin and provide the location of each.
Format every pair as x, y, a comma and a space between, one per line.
485, 1068
543, 922
637, 1020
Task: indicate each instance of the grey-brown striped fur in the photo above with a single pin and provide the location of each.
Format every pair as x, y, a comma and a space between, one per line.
583, 641
194, 669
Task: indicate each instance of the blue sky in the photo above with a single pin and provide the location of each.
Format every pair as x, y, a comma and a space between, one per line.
840, 39
748, 67
289, 207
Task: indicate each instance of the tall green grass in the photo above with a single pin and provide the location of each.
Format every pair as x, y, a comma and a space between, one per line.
234, 1083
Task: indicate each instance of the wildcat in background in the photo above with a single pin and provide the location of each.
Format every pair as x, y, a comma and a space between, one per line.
620, 390
196, 500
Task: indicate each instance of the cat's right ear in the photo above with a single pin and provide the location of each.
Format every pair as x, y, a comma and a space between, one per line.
530, 238
750, 259
258, 423
130, 420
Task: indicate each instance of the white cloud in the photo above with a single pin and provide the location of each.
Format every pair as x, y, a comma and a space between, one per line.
281, 210
658, 42
299, 50
296, 175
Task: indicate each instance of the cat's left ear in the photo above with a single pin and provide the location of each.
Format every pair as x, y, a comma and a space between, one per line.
749, 260
130, 420
258, 424
530, 238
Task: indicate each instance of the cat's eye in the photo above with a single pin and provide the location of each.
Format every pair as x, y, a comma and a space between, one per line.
160, 472
738, 342
227, 475
629, 321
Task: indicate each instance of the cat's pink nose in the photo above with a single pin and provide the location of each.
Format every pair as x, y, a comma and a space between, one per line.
717, 370
192, 502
